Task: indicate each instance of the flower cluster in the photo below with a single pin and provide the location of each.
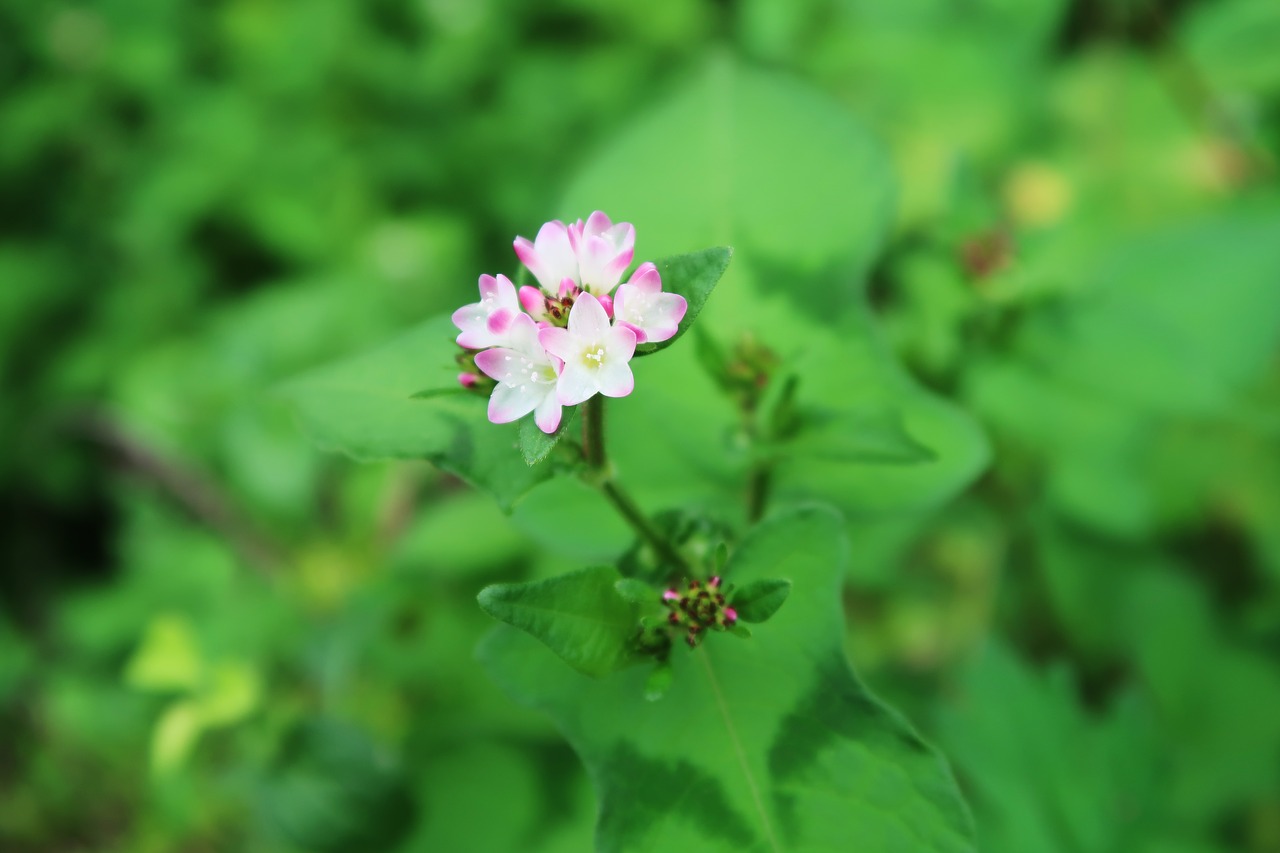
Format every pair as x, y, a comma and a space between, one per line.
699, 609
572, 337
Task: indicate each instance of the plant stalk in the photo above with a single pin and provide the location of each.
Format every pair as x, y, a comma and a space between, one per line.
593, 452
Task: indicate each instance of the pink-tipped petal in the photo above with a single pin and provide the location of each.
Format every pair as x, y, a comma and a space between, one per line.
557, 342
621, 344
548, 413
641, 337
598, 223
533, 301
646, 278
510, 402
587, 319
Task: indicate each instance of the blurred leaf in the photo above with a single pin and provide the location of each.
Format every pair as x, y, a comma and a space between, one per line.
174, 736
168, 658
232, 693
771, 744
1233, 43
693, 276
580, 616
364, 407
757, 600
333, 791
859, 436
1045, 775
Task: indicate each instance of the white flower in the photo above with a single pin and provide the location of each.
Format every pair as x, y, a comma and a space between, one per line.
550, 257
486, 323
641, 306
595, 354
526, 377
604, 252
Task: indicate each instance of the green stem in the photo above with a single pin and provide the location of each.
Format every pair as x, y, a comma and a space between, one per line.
593, 434
593, 451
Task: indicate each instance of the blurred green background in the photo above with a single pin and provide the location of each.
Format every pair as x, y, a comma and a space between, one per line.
214, 637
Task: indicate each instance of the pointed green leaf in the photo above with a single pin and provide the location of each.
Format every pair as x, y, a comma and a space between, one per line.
579, 616
771, 745
758, 600
536, 445
375, 406
693, 276
637, 591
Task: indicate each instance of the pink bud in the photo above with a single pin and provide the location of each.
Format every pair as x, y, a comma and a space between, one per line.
468, 380
532, 300
670, 595
714, 582
606, 302
730, 614
568, 287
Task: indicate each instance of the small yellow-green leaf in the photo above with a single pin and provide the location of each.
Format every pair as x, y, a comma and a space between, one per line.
167, 659
174, 736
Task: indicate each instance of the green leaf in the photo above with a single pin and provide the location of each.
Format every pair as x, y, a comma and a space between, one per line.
637, 591
770, 745
758, 600
333, 790
580, 616
693, 276
803, 191
535, 444
375, 406
859, 436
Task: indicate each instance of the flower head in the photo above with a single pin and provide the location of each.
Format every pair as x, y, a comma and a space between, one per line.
486, 323
573, 336
642, 307
604, 252
526, 377
596, 355
550, 257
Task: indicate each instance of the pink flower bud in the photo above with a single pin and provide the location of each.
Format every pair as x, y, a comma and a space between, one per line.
468, 380
670, 595
606, 302
730, 615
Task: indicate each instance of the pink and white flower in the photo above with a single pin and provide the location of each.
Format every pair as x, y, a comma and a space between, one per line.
641, 306
487, 322
526, 375
551, 256
604, 252
596, 355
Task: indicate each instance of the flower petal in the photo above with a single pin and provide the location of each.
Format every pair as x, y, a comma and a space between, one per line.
587, 319
558, 342
646, 278
620, 345
509, 402
615, 379
577, 383
548, 413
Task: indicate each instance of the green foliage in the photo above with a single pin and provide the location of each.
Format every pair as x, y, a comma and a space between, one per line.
760, 745
693, 276
758, 600
580, 616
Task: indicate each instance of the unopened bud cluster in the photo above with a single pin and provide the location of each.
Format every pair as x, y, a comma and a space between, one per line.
699, 609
